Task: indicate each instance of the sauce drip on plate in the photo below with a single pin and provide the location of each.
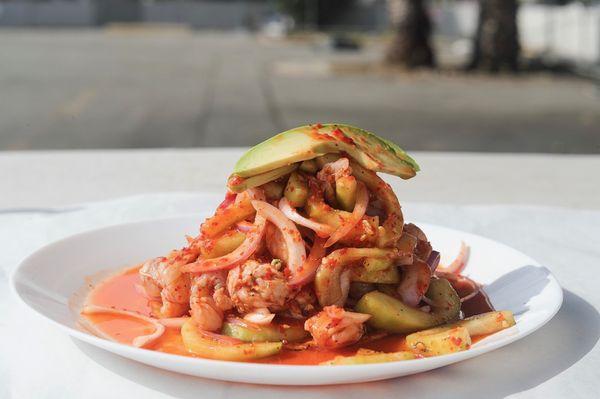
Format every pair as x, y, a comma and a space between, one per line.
121, 292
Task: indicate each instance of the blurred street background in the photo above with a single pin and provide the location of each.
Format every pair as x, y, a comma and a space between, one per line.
488, 75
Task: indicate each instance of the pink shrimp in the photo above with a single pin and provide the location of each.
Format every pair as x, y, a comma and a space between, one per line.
165, 283
209, 300
334, 327
255, 285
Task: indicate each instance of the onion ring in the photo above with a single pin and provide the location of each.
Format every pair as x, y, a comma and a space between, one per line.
260, 317
237, 256
173, 322
293, 240
459, 264
362, 201
140, 341
307, 271
415, 282
322, 229
470, 296
223, 339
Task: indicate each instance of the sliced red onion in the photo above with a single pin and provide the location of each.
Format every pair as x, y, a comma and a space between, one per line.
322, 230
242, 323
362, 201
291, 236
173, 322
470, 296
433, 261
256, 193
140, 341
260, 316
334, 170
456, 279
307, 271
244, 226
415, 282
357, 317
427, 301
224, 339
459, 264
237, 256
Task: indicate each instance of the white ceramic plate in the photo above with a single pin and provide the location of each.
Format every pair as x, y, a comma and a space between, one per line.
47, 280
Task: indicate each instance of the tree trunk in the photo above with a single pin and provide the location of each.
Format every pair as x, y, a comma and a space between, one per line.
496, 43
410, 47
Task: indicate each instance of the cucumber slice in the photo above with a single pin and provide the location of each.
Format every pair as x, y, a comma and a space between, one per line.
274, 332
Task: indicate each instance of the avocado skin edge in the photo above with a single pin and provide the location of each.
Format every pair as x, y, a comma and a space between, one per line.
310, 141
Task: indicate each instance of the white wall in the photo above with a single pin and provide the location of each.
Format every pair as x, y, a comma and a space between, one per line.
571, 32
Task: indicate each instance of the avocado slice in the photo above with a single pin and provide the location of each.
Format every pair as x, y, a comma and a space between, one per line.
238, 183
311, 141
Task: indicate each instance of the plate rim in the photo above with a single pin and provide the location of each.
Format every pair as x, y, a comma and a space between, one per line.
384, 368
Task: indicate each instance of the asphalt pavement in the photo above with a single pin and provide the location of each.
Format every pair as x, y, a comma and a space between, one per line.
62, 89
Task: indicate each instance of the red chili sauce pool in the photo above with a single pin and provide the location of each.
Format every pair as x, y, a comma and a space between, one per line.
120, 292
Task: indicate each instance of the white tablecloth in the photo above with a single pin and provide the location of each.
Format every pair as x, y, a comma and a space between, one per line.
561, 360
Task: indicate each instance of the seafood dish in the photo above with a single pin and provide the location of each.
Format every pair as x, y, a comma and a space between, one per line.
308, 261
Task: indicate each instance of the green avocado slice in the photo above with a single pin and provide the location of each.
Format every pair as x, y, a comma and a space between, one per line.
311, 141
239, 184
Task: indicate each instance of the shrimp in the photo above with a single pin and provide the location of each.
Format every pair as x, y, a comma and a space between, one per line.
303, 303
209, 300
334, 327
255, 285
332, 171
166, 285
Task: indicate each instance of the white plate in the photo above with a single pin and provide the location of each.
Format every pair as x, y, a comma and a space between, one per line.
47, 280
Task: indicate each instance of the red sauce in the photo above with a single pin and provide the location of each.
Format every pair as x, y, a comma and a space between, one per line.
120, 292
235, 180
123, 328
321, 136
480, 303
229, 199
312, 356
338, 134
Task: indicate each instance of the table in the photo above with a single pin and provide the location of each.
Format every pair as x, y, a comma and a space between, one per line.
43, 179
546, 206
